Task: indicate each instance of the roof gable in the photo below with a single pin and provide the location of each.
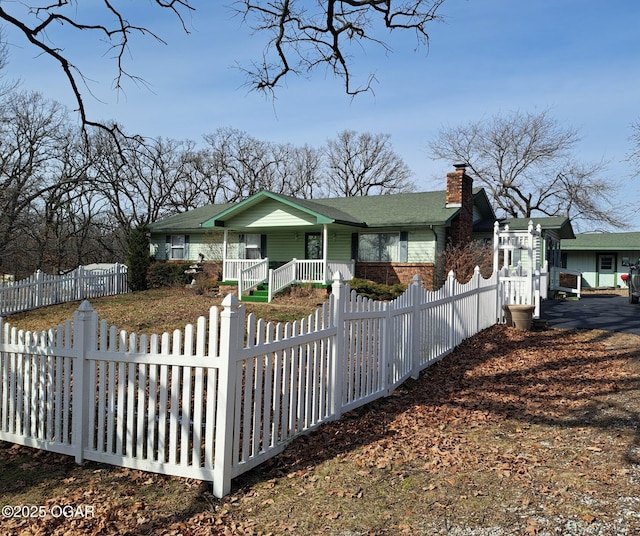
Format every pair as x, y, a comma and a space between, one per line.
307, 207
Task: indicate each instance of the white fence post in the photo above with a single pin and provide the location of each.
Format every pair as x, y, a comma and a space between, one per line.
39, 289
230, 322
451, 281
77, 281
499, 296
476, 287
117, 287
338, 348
416, 334
84, 337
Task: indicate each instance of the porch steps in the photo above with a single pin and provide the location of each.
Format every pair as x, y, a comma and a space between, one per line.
260, 295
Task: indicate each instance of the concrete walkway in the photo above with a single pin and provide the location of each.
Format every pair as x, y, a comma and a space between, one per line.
610, 312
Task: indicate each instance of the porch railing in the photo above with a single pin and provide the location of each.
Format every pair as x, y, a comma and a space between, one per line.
557, 280
252, 276
310, 271
281, 277
232, 267
255, 271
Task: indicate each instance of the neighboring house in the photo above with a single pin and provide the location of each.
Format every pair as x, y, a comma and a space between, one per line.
601, 257
386, 238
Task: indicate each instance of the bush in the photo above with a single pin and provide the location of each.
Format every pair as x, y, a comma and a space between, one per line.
168, 274
138, 258
464, 259
376, 291
204, 284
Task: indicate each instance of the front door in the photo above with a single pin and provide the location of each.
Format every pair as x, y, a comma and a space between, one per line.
313, 246
606, 270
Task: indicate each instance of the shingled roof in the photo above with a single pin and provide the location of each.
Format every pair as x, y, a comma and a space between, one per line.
421, 208
603, 242
560, 224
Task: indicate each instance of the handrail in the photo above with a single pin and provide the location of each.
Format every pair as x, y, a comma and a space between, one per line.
251, 277
282, 277
555, 280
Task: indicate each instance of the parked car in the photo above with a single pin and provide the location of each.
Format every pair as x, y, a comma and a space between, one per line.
632, 279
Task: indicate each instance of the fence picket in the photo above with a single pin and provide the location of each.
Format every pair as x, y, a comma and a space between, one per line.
217, 399
40, 289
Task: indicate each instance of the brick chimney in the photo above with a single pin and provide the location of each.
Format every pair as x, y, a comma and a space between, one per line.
460, 195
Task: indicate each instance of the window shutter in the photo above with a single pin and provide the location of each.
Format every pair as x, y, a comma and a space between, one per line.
167, 247
263, 246
354, 246
404, 246
242, 253
187, 254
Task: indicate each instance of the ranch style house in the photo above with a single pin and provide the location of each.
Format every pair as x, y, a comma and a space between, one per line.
384, 238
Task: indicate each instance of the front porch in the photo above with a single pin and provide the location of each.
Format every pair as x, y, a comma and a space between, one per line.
249, 274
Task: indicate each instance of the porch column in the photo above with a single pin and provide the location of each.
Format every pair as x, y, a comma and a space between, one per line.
325, 253
224, 255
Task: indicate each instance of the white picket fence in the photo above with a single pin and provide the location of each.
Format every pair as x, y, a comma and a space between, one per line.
217, 399
41, 289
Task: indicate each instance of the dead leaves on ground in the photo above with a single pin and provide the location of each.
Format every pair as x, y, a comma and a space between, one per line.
522, 418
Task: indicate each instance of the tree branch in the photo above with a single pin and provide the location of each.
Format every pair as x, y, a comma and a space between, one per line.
305, 38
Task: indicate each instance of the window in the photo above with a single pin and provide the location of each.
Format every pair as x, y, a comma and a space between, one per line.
379, 247
313, 246
177, 247
606, 263
251, 246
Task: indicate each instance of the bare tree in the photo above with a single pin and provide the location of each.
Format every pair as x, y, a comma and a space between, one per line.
240, 165
305, 36
40, 22
634, 155
34, 137
525, 161
58, 214
365, 164
304, 171
147, 180
463, 259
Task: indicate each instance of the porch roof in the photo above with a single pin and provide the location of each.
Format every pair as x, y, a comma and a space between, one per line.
561, 224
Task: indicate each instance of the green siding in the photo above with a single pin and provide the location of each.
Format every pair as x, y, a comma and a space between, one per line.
422, 246
586, 262
209, 244
340, 246
286, 245
270, 213
282, 247
291, 245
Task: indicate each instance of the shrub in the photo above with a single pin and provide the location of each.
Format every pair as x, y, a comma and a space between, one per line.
138, 257
376, 291
463, 260
204, 284
168, 274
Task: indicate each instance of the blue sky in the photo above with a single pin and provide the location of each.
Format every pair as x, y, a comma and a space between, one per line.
577, 58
